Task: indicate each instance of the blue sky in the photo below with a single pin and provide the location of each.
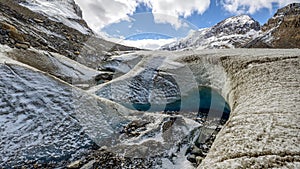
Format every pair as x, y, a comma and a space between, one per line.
142, 24
135, 20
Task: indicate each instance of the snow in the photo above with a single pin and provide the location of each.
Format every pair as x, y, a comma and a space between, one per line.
58, 66
259, 85
223, 35
263, 128
35, 118
53, 8
68, 67
58, 10
241, 19
43, 118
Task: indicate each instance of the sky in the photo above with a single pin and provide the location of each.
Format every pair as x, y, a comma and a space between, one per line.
152, 23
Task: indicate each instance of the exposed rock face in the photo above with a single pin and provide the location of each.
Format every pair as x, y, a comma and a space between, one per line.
281, 31
53, 28
233, 32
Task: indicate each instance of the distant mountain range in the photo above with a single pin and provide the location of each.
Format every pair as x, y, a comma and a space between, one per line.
281, 31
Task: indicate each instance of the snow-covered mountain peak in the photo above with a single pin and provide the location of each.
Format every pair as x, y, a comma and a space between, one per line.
240, 19
230, 33
236, 25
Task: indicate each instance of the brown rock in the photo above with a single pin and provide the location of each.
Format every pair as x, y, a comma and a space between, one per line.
8, 27
22, 45
13, 32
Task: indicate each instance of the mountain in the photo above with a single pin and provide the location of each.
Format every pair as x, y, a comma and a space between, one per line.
66, 11
281, 31
54, 113
233, 32
53, 26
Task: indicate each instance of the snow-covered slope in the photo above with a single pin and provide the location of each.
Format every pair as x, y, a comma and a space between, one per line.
45, 120
65, 11
59, 66
231, 33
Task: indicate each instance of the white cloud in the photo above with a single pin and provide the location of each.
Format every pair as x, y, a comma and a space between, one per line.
151, 44
252, 6
168, 11
99, 13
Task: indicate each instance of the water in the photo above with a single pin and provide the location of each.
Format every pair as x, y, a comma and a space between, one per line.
209, 101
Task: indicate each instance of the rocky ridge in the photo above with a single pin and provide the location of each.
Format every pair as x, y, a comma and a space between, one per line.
233, 32
281, 31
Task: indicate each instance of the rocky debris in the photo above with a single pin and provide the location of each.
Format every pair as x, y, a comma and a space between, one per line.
134, 128
199, 150
281, 31
168, 124
104, 77
12, 32
89, 165
108, 159
11, 36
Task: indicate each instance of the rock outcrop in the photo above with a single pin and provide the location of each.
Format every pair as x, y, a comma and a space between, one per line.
281, 31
